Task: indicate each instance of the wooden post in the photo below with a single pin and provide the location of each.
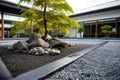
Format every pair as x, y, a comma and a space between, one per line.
2, 17
96, 29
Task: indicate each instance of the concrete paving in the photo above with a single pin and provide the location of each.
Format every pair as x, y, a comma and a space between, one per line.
102, 63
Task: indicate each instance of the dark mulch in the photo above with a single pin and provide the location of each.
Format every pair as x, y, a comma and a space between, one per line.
18, 63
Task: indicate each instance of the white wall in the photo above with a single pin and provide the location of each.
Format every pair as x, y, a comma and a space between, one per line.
73, 33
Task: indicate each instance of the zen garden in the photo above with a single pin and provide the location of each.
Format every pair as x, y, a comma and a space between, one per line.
38, 56
45, 16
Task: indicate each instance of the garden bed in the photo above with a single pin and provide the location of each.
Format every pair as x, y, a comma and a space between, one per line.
18, 63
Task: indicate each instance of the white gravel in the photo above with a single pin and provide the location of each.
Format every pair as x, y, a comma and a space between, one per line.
100, 64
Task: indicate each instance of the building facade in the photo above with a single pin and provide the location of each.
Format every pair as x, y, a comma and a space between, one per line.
93, 18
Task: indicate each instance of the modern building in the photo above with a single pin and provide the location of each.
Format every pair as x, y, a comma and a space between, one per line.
10, 13
91, 18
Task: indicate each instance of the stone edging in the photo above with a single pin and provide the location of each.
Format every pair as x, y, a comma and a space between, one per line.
4, 72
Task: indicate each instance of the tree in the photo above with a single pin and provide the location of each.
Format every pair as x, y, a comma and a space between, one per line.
106, 29
54, 11
28, 23
63, 24
81, 30
51, 15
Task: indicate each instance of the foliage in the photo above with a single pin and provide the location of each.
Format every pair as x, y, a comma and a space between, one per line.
106, 29
48, 15
81, 29
28, 23
18, 27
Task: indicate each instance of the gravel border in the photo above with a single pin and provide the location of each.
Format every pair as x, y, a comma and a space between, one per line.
100, 64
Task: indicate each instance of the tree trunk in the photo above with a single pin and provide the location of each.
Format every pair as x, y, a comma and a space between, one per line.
45, 23
31, 27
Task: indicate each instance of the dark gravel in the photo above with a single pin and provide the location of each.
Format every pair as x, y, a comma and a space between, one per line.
18, 63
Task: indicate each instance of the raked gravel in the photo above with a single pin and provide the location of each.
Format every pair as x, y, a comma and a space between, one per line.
100, 64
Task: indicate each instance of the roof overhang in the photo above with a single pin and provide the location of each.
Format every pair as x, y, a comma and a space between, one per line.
97, 11
11, 8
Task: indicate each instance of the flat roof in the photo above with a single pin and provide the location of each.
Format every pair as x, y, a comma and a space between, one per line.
99, 8
9, 7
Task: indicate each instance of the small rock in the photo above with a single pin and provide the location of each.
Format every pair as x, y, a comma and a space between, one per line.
37, 51
54, 51
46, 52
40, 50
33, 51
10, 47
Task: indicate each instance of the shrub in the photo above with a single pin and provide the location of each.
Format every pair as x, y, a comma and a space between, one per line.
107, 30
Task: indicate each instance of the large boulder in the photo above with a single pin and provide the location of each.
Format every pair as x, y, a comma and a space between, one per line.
56, 43
20, 45
34, 36
38, 43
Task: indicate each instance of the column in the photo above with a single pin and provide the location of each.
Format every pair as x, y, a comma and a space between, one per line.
2, 24
96, 29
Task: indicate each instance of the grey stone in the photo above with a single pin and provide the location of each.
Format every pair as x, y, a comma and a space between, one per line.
20, 45
40, 50
37, 51
48, 37
10, 47
34, 36
38, 43
56, 42
53, 51
33, 51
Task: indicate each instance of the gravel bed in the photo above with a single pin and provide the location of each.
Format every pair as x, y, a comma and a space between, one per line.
100, 64
18, 63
